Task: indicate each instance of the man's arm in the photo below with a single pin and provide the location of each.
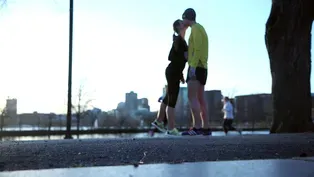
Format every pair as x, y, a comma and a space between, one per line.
197, 44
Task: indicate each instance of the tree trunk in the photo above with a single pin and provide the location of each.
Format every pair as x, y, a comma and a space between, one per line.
288, 42
2, 123
78, 122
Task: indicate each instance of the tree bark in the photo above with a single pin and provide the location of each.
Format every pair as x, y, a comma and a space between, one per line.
78, 121
288, 42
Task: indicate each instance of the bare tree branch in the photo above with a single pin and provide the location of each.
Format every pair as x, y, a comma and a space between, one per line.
2, 3
81, 106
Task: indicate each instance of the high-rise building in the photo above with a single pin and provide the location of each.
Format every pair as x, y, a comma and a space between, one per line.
143, 103
257, 107
11, 108
213, 99
164, 90
183, 113
131, 102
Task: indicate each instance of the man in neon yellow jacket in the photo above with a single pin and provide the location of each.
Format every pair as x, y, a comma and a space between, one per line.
197, 74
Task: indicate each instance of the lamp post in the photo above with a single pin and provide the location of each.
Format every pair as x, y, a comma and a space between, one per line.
69, 109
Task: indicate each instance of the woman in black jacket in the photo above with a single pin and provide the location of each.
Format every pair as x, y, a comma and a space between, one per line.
177, 58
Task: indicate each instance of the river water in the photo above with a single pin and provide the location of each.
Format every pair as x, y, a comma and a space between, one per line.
113, 136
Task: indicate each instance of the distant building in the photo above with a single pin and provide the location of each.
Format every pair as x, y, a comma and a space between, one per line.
213, 99
164, 90
121, 110
183, 113
92, 115
114, 113
121, 106
131, 102
143, 104
38, 119
257, 107
96, 111
11, 108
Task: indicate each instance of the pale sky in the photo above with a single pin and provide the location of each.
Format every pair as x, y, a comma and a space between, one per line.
122, 46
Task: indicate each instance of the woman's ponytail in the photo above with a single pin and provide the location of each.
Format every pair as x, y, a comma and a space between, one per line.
174, 36
176, 29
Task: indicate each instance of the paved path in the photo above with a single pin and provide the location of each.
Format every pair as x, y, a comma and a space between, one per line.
105, 152
256, 168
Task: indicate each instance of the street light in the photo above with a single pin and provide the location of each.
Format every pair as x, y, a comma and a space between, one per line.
69, 111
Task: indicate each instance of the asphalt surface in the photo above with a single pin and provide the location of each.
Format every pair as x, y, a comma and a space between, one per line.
24, 155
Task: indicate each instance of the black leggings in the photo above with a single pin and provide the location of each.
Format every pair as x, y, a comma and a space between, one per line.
227, 125
173, 87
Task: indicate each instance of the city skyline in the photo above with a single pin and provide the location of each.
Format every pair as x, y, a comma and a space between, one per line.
136, 111
122, 46
131, 103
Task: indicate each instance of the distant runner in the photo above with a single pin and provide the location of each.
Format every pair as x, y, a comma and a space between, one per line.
228, 116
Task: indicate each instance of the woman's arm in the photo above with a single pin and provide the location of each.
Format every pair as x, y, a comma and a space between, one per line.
179, 45
186, 56
160, 99
182, 79
170, 54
